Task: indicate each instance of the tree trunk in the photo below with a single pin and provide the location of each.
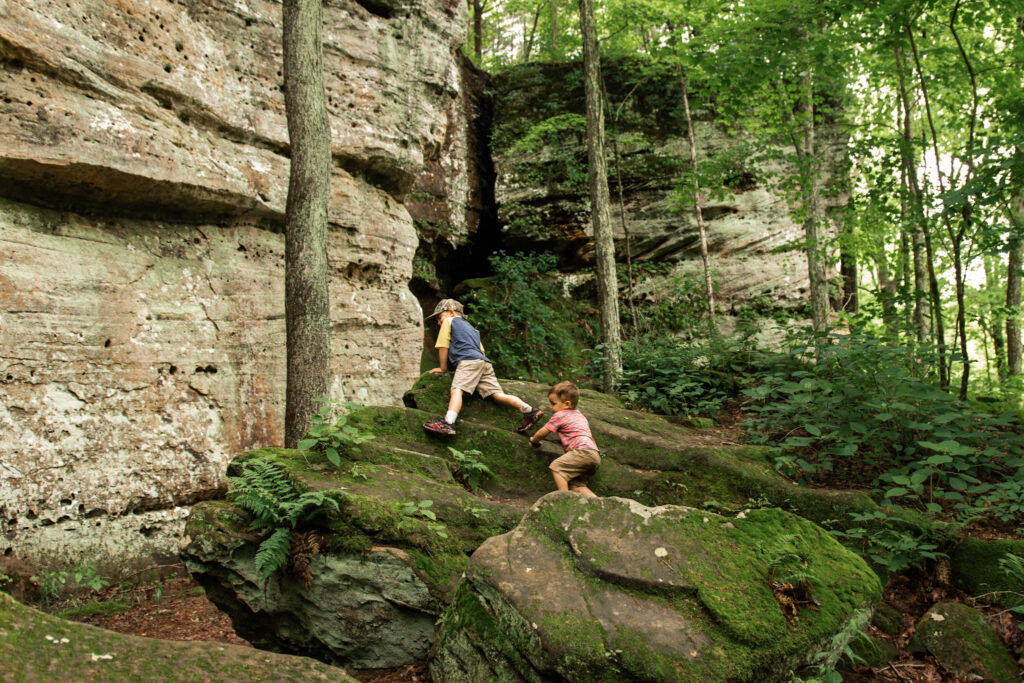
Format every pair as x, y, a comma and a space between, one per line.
307, 313
604, 247
887, 294
478, 30
944, 379
848, 271
995, 321
1014, 264
698, 210
814, 217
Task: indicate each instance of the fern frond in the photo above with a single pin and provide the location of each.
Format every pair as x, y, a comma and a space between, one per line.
273, 552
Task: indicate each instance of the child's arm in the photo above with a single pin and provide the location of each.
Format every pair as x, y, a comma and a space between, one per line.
442, 354
541, 434
444, 337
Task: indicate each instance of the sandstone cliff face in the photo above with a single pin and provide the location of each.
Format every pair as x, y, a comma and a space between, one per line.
143, 177
543, 202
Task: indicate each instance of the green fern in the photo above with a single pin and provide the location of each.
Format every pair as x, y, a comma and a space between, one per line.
273, 552
265, 490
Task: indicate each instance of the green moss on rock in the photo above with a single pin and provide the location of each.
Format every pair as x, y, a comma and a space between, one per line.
975, 565
37, 646
963, 643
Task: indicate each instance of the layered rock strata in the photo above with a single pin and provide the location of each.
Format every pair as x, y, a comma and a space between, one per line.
143, 178
541, 185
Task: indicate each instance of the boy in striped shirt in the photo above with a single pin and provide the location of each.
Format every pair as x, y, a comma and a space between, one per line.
573, 470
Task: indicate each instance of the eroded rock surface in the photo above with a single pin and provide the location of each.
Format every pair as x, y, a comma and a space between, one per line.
143, 177
607, 589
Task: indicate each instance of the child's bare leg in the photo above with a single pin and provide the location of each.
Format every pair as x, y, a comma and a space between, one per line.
508, 400
455, 401
582, 488
560, 482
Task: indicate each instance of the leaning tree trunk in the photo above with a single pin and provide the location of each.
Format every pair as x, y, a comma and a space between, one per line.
307, 314
604, 248
698, 209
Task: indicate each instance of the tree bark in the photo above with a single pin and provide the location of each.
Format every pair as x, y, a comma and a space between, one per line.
307, 311
814, 216
478, 30
604, 248
995, 321
922, 270
1014, 264
944, 380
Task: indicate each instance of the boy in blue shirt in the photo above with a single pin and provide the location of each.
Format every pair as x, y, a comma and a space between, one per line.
459, 348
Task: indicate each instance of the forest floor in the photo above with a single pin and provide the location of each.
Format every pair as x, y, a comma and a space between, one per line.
176, 609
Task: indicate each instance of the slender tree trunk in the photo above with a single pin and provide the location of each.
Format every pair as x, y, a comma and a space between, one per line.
478, 30
887, 293
848, 271
625, 233
814, 216
920, 225
966, 211
1014, 264
604, 247
533, 32
936, 301
698, 199
995, 321
307, 311
554, 27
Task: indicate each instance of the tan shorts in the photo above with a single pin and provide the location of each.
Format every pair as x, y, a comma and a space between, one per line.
476, 375
577, 466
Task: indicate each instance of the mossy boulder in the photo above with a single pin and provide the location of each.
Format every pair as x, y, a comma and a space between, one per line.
606, 589
644, 456
387, 571
35, 647
963, 643
975, 567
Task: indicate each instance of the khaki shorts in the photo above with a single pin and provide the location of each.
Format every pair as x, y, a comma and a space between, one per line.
476, 375
577, 466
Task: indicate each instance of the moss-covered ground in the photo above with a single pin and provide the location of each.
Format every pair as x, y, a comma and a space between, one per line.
35, 646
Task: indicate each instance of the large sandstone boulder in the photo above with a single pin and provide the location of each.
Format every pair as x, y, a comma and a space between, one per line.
388, 570
36, 647
143, 178
610, 590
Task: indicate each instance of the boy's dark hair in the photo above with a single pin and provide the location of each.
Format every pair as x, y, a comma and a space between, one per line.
566, 391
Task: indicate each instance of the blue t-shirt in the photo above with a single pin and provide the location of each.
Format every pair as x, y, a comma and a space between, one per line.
462, 341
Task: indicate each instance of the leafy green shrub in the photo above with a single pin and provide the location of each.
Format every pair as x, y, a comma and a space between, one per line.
894, 543
266, 492
331, 435
530, 328
676, 377
469, 469
860, 412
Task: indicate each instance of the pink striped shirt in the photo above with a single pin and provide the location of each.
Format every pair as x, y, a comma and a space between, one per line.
572, 428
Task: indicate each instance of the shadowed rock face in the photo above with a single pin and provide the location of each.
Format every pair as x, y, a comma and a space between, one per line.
143, 178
